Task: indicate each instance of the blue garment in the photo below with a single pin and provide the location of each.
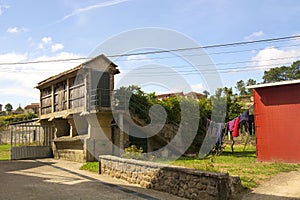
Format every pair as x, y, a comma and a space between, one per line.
244, 116
219, 133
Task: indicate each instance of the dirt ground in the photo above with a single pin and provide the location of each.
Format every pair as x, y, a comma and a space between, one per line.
284, 186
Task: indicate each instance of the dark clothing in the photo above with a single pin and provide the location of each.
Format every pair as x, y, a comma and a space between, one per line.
251, 124
244, 116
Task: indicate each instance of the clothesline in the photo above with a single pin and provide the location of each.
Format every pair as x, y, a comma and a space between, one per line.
215, 131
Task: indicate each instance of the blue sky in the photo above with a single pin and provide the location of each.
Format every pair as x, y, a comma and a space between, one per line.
32, 30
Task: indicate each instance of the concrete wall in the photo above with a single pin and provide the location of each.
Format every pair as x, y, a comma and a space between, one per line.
183, 182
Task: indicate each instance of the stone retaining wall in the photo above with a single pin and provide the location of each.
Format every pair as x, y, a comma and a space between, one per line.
183, 182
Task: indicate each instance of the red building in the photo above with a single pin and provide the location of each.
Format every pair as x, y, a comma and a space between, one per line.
277, 121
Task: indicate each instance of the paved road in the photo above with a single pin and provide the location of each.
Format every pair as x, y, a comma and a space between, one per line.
52, 179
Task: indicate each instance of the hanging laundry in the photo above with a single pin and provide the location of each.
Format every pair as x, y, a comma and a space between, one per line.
231, 124
219, 133
244, 116
213, 137
251, 124
236, 128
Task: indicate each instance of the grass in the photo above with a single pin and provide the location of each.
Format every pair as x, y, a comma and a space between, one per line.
4, 152
90, 166
239, 163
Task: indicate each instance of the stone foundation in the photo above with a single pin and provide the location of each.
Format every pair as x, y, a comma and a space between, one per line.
183, 182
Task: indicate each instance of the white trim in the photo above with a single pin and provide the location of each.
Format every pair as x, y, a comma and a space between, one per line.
273, 84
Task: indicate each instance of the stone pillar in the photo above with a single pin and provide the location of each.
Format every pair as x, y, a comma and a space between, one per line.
99, 141
73, 131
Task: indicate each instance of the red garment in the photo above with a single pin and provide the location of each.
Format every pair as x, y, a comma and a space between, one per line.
236, 128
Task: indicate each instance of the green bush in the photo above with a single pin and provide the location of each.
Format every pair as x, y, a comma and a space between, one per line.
134, 153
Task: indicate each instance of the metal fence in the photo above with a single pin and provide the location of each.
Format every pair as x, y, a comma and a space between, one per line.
30, 140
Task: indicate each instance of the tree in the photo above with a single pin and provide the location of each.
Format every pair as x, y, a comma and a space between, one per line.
8, 107
134, 99
206, 93
295, 70
282, 73
250, 82
241, 87
225, 105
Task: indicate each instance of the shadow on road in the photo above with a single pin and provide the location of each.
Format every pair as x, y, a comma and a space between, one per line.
31, 179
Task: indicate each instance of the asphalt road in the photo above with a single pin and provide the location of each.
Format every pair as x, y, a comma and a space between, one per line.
52, 179
56, 179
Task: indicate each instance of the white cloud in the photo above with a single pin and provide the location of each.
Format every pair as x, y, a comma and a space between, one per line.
48, 44
12, 57
20, 80
274, 57
88, 8
57, 47
254, 35
16, 30
2, 8
46, 40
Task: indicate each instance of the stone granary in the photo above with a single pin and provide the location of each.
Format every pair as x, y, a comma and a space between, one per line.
77, 103
80, 103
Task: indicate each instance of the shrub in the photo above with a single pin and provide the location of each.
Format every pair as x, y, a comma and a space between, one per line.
134, 153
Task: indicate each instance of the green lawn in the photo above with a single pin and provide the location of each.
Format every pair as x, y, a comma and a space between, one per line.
4, 152
240, 163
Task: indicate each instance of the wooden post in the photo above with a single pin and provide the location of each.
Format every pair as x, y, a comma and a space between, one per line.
68, 94
52, 99
41, 103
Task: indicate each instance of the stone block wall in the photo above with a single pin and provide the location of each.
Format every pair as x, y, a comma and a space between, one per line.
183, 182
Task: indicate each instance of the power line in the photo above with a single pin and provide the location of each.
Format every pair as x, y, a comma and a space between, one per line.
162, 51
218, 64
209, 46
181, 66
43, 61
195, 72
214, 53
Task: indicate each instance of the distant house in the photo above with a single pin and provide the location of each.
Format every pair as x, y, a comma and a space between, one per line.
168, 95
32, 108
19, 110
277, 116
193, 95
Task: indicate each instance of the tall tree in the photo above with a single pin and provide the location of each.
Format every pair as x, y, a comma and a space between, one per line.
206, 93
241, 87
8, 107
250, 82
282, 73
